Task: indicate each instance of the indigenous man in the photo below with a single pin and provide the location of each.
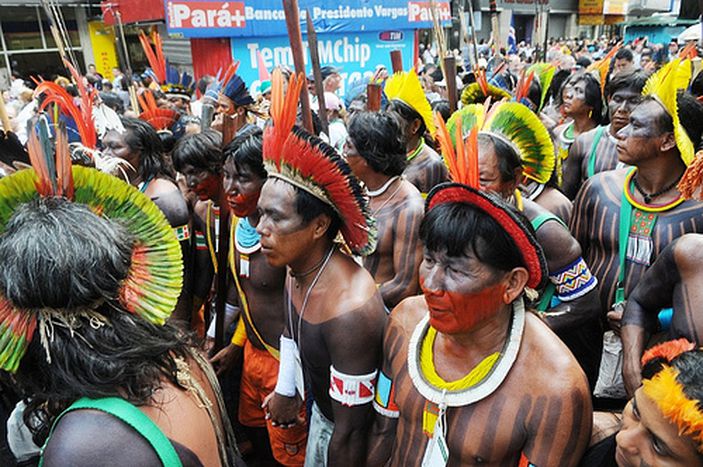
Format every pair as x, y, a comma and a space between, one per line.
376, 154
407, 99
513, 142
468, 375
100, 288
261, 322
233, 102
624, 218
335, 314
674, 280
595, 151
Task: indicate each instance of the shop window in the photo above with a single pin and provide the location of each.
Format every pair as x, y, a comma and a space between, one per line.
21, 29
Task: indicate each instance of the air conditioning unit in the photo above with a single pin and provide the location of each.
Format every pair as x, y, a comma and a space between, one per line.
648, 7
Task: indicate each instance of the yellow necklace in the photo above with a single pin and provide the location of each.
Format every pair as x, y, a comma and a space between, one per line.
427, 367
210, 246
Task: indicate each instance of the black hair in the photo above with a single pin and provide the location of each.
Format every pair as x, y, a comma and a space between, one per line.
508, 158
408, 114
624, 54
140, 136
534, 93
203, 83
697, 85
560, 77
379, 141
634, 81
459, 228
442, 106
690, 368
246, 151
691, 117
592, 93
200, 150
113, 101
60, 255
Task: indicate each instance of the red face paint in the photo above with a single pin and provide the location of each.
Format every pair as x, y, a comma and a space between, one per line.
243, 205
456, 313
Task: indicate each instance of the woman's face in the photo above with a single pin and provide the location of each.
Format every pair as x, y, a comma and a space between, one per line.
648, 439
574, 98
115, 145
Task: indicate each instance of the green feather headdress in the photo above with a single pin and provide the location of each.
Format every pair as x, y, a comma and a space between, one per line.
155, 277
544, 72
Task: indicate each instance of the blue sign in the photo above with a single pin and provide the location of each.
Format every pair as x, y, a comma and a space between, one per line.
257, 18
356, 54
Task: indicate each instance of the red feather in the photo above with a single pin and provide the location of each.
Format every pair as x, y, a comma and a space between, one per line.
38, 161
231, 70
284, 109
156, 59
55, 94
64, 174
481, 80
523, 86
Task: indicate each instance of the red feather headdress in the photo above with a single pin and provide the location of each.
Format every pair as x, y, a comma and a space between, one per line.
155, 56
159, 118
305, 161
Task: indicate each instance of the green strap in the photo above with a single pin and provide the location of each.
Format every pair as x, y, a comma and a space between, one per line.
592, 156
132, 416
623, 234
546, 299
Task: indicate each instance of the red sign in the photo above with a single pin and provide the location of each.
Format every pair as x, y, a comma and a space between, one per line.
132, 11
421, 11
196, 15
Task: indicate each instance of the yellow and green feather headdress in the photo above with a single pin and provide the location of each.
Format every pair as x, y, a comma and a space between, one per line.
664, 86
405, 86
153, 283
544, 72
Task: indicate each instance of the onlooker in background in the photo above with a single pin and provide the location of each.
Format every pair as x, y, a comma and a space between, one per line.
336, 128
624, 62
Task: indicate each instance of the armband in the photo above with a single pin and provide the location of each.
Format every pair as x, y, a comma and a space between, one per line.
352, 390
230, 313
573, 281
384, 402
200, 243
240, 334
285, 384
182, 232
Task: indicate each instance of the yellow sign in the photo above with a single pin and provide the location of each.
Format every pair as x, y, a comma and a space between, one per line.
590, 7
590, 20
615, 7
102, 38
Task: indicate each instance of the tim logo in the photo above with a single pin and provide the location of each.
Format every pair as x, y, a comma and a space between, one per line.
391, 36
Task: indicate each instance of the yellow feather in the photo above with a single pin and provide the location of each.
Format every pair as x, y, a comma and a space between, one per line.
406, 87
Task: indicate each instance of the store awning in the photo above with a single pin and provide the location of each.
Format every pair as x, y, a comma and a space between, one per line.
660, 21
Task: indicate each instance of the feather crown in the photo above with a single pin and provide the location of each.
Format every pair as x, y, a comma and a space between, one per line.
306, 162
161, 119
154, 55
478, 92
178, 84
462, 163
405, 87
664, 86
154, 280
544, 73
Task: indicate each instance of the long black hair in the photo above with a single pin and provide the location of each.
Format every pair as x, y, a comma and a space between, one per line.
140, 136
379, 141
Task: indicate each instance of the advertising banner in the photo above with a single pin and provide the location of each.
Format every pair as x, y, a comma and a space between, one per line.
355, 54
264, 18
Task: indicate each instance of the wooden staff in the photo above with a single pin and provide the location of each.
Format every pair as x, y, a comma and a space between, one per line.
295, 37
473, 32
397, 61
450, 79
317, 74
373, 97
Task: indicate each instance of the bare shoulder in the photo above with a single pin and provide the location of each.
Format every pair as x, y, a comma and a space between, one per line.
408, 313
688, 251
602, 182
351, 288
412, 199
551, 367
68, 446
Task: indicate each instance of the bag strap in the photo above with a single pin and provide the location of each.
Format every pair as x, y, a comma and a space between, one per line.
592, 156
623, 235
132, 416
540, 220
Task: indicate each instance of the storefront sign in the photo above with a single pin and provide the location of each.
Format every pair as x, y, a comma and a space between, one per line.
260, 18
356, 54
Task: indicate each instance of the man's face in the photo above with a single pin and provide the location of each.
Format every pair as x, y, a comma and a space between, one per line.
460, 292
353, 158
620, 105
622, 65
645, 60
646, 438
202, 182
242, 187
225, 105
490, 178
284, 235
332, 82
642, 137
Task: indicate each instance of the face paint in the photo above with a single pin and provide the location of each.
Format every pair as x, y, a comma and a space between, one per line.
455, 313
243, 205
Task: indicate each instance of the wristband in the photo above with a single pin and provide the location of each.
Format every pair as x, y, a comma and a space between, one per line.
285, 384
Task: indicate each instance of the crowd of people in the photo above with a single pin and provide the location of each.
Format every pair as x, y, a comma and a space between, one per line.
191, 274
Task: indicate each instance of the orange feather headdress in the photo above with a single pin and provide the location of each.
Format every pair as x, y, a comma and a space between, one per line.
305, 161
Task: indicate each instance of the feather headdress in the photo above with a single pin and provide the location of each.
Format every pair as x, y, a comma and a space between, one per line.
155, 56
601, 67
519, 127
178, 84
159, 118
544, 73
305, 161
460, 153
154, 280
478, 92
522, 90
405, 87
664, 86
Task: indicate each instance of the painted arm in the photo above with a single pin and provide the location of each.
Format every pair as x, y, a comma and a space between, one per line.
407, 256
572, 173
354, 354
653, 292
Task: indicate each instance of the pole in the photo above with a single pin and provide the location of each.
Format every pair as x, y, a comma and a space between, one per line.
473, 31
317, 74
373, 101
450, 79
545, 22
396, 61
295, 37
